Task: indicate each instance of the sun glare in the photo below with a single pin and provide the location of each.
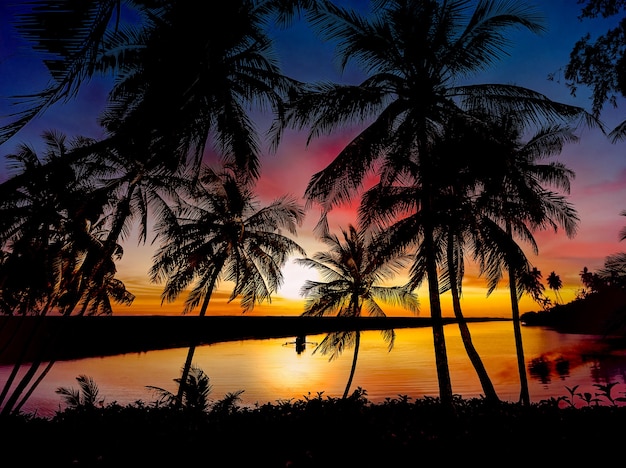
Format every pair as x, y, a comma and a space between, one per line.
294, 276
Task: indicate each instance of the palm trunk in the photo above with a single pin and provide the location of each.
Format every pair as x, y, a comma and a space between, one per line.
35, 384
20, 359
21, 386
487, 385
357, 342
192, 349
439, 341
48, 342
517, 331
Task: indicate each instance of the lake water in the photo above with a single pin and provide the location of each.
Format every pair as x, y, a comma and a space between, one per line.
271, 370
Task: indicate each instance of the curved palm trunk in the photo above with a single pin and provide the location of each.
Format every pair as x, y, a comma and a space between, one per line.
35, 384
439, 341
18, 364
192, 349
517, 331
487, 385
357, 343
183, 379
12, 406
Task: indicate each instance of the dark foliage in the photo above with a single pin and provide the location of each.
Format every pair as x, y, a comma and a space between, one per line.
318, 432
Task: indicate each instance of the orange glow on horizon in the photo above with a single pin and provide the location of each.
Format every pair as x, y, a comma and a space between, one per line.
474, 303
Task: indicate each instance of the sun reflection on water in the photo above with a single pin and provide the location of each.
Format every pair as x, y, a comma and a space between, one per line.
270, 370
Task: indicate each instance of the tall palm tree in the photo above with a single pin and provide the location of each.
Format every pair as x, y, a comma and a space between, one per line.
221, 233
354, 271
555, 283
458, 223
418, 58
524, 194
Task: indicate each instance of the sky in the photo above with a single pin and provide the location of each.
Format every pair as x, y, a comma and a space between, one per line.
598, 190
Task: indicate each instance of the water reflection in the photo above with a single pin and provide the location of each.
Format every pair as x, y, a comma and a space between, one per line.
270, 371
543, 368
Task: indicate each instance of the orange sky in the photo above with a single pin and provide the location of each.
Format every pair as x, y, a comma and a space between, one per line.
598, 191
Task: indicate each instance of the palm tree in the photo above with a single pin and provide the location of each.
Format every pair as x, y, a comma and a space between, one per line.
56, 219
415, 56
221, 233
162, 103
52, 231
354, 271
515, 196
458, 222
86, 397
530, 282
162, 110
555, 283
205, 100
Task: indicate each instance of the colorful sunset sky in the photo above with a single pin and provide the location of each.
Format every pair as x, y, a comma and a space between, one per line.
598, 191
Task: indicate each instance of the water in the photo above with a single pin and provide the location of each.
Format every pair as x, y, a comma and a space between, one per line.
272, 371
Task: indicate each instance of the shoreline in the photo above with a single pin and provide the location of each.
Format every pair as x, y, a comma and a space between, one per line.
67, 338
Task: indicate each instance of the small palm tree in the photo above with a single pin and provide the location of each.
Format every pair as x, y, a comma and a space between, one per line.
555, 283
85, 397
195, 395
221, 233
354, 270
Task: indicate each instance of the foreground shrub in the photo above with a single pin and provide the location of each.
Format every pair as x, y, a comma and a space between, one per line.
317, 431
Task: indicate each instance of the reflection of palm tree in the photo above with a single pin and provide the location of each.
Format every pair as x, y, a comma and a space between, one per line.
555, 283
414, 53
353, 270
222, 234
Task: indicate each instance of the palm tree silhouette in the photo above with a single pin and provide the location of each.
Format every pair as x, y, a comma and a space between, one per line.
555, 283
53, 228
516, 197
459, 223
416, 57
530, 281
159, 123
221, 233
353, 270
161, 102
157, 127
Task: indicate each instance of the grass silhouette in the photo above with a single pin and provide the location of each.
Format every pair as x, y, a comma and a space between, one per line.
316, 431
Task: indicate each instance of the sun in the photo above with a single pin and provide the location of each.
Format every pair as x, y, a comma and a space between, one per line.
294, 276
